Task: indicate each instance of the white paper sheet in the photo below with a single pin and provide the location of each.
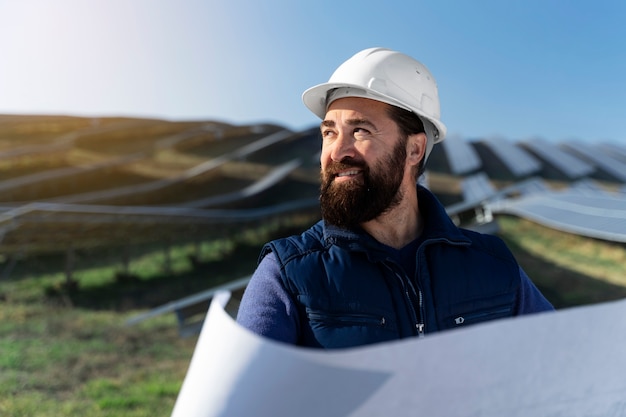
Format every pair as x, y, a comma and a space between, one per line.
570, 363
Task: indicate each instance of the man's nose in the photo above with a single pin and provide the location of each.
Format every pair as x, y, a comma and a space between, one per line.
343, 147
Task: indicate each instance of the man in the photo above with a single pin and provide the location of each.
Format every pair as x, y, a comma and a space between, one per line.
386, 262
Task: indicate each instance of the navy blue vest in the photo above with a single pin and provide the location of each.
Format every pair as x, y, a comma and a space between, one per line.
350, 292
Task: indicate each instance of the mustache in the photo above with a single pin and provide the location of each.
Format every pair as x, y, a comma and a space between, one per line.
334, 168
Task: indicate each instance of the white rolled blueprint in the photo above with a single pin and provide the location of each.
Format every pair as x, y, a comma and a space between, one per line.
567, 363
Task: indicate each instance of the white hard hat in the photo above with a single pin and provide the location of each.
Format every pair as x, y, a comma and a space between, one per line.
388, 76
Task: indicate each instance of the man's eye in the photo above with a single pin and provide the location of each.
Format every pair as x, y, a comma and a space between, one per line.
327, 133
361, 131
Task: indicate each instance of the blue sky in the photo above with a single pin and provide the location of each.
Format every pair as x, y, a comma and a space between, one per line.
516, 69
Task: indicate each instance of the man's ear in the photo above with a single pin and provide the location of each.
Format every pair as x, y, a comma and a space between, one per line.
416, 148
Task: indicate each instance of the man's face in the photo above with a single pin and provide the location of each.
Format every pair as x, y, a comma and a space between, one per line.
363, 162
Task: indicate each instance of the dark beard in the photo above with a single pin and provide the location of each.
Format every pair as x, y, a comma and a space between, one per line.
355, 202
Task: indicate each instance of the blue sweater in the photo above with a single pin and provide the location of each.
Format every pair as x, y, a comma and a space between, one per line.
319, 290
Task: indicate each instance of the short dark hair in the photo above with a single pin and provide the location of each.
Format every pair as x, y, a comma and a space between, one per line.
409, 124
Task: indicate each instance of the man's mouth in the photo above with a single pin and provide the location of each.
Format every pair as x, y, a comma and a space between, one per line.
348, 173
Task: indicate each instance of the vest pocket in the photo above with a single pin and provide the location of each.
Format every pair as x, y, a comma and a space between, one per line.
345, 319
478, 316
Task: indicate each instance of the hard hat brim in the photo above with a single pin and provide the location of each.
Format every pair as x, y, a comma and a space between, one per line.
316, 100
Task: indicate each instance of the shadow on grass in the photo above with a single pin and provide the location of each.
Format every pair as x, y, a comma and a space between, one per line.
563, 287
129, 292
18, 267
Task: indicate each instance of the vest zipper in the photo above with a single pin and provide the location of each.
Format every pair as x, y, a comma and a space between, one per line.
418, 319
420, 304
420, 325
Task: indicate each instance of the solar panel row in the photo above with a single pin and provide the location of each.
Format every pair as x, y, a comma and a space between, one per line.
568, 161
597, 216
585, 208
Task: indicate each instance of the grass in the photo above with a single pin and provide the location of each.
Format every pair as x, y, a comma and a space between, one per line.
63, 361
69, 352
60, 359
571, 270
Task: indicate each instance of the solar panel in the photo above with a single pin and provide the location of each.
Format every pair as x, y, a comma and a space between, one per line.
50, 227
615, 150
477, 187
606, 163
598, 216
462, 158
532, 185
586, 186
566, 164
515, 159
